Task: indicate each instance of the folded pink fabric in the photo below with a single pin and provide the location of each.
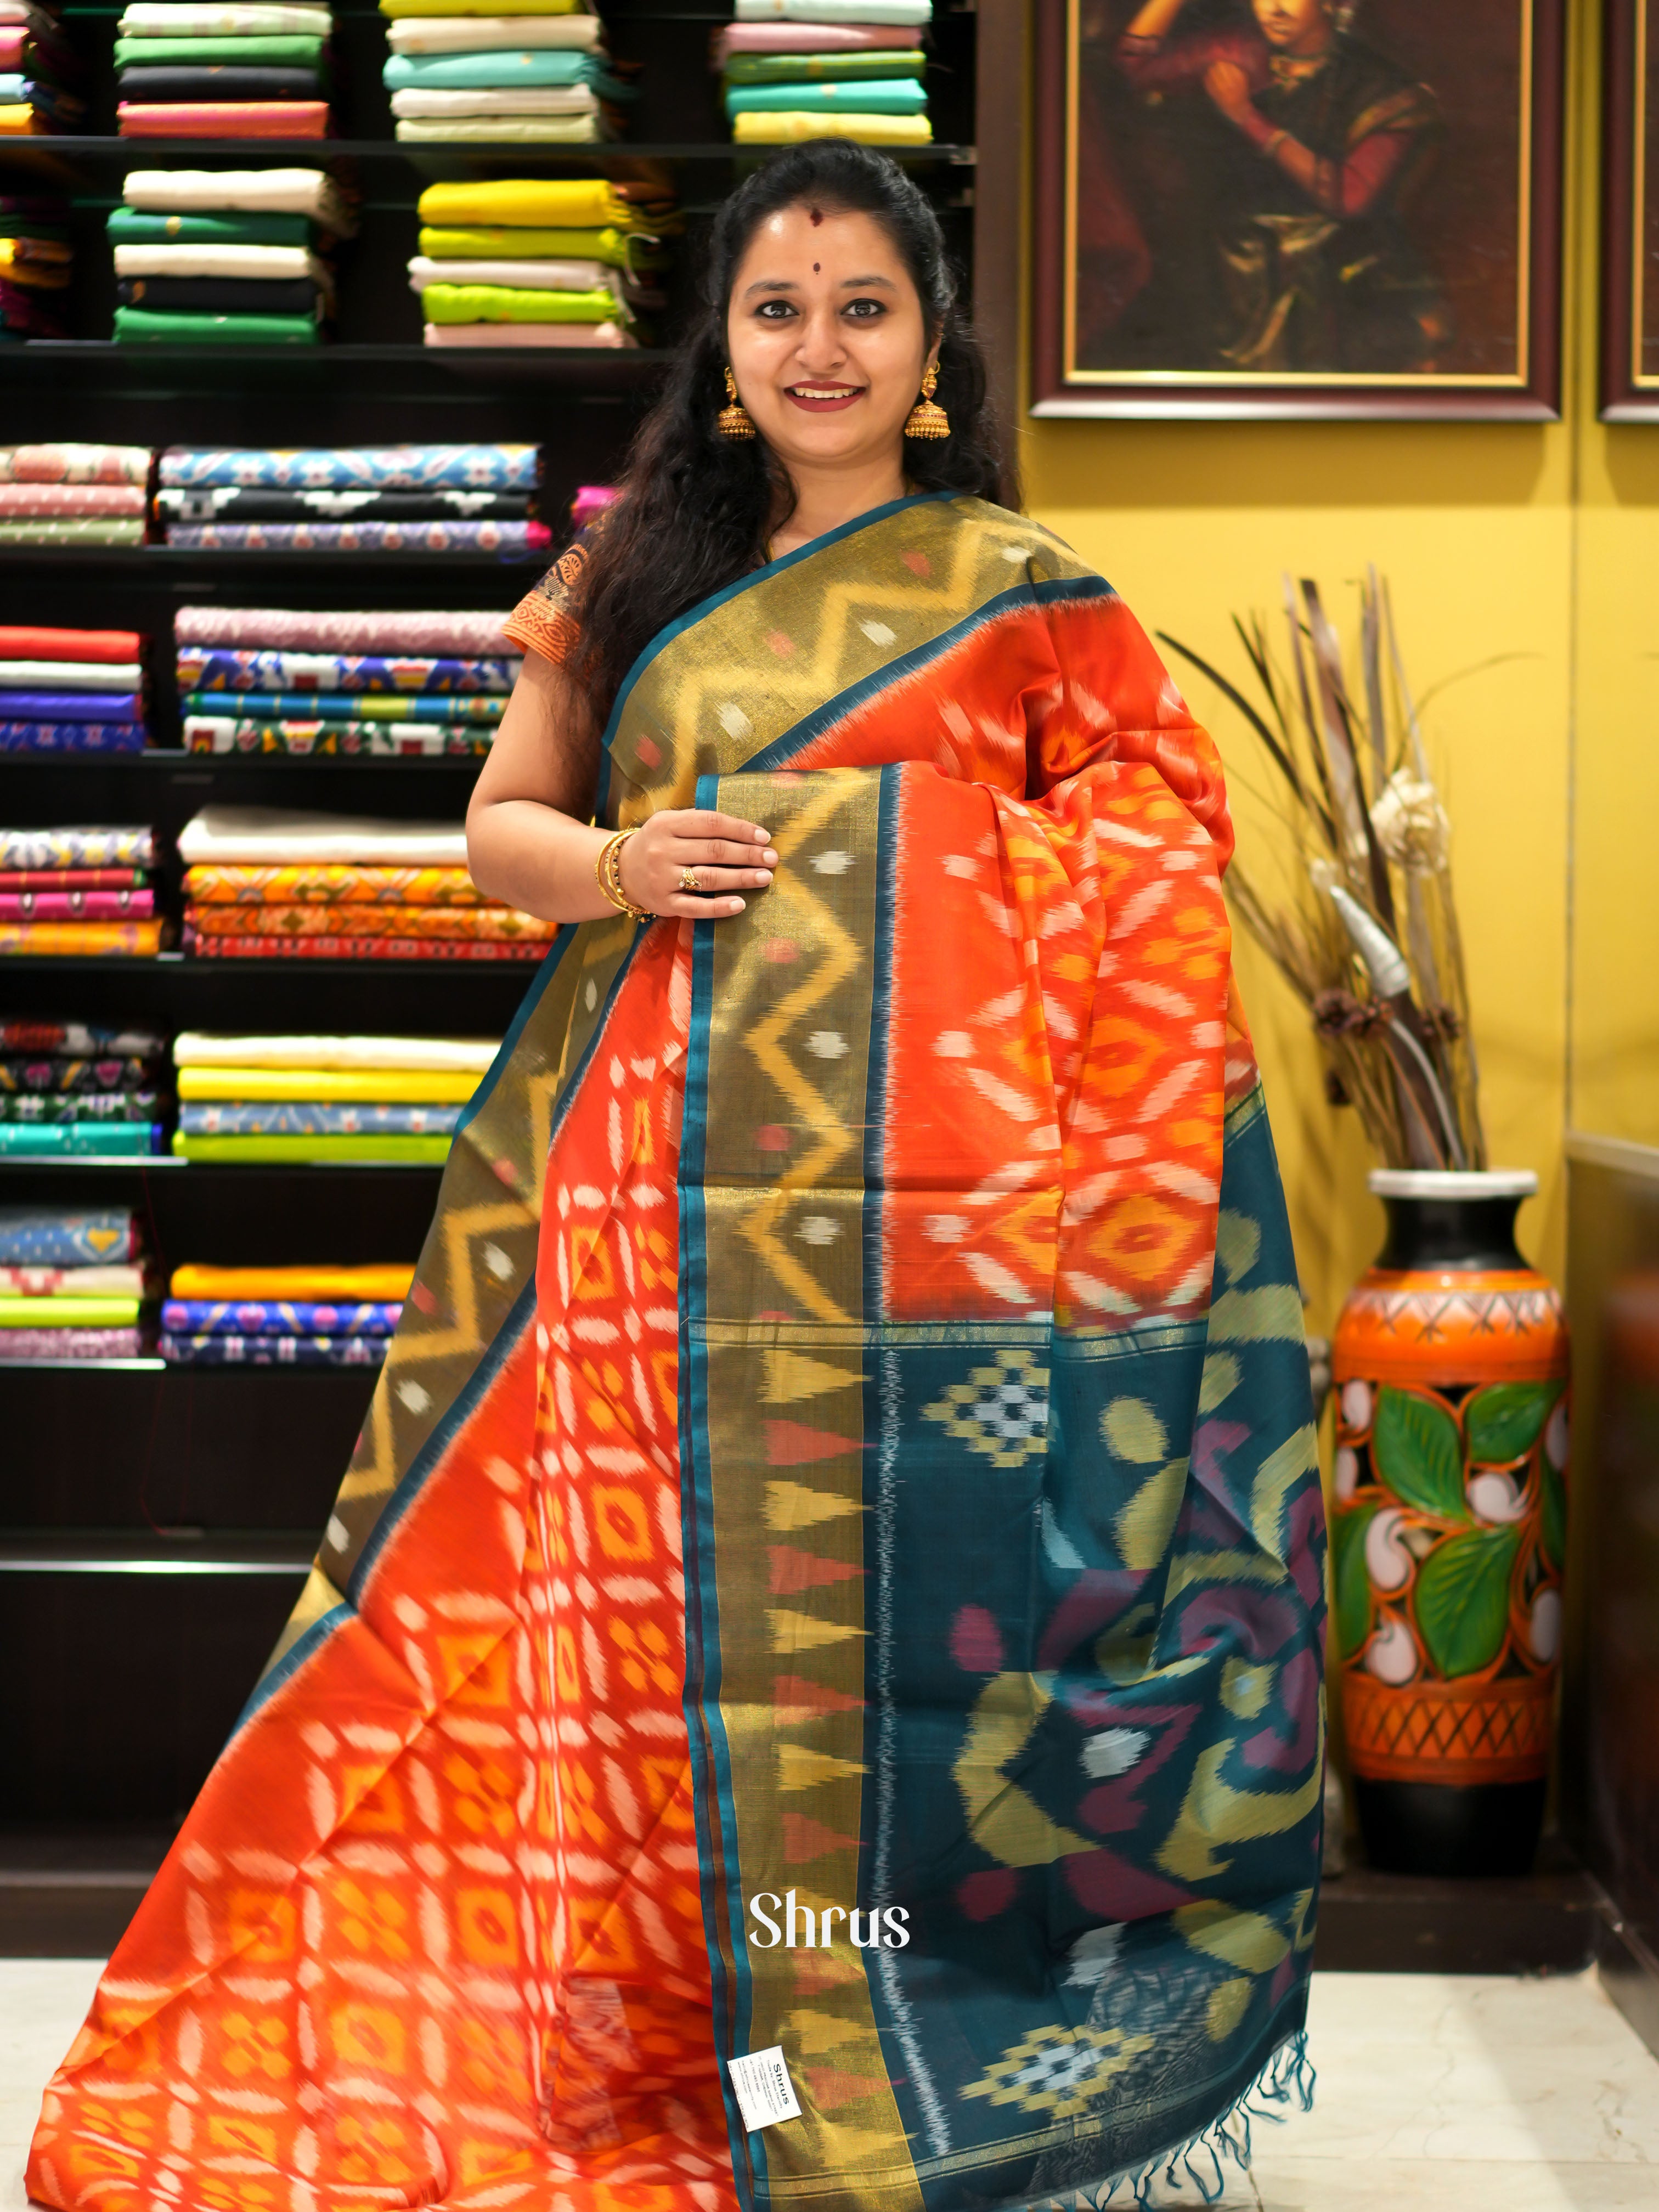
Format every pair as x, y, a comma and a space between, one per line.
75, 463
470, 636
779, 38
563, 336
224, 119
35, 499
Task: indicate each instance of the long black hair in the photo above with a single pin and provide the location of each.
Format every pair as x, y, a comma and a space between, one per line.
696, 506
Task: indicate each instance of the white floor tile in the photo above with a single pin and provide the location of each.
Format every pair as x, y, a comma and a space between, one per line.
43, 2002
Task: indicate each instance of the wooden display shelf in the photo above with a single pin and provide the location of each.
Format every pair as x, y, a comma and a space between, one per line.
121, 1552
423, 370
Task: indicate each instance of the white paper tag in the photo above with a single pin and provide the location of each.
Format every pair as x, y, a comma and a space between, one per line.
764, 2092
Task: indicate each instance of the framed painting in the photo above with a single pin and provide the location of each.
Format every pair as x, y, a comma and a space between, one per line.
1630, 214
1298, 207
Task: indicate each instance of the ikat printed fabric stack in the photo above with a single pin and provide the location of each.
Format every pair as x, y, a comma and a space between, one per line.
37, 253
520, 72
73, 494
541, 261
80, 890
41, 76
235, 256
305, 1316
825, 68
72, 1284
215, 69
309, 1099
67, 1089
263, 883
391, 685
74, 691
355, 498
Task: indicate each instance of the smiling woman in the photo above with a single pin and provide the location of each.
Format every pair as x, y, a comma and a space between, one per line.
848, 1442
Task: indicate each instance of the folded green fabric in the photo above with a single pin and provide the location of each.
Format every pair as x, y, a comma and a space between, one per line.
138, 226
420, 1151
74, 530
485, 70
202, 53
68, 1312
155, 326
503, 303
885, 96
808, 69
617, 249
60, 1139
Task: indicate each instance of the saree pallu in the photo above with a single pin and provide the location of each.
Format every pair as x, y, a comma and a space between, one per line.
849, 1448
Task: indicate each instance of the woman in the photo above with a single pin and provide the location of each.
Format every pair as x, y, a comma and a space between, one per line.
1325, 139
824, 1572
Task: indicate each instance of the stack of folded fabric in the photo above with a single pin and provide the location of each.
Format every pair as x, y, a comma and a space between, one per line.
541, 261
219, 268
535, 71
320, 1317
72, 1284
354, 498
36, 253
40, 73
307, 1099
68, 1088
825, 68
589, 504
73, 494
327, 681
78, 864
73, 691
263, 883
211, 69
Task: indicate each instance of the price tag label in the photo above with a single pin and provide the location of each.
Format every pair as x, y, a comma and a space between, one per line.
764, 2092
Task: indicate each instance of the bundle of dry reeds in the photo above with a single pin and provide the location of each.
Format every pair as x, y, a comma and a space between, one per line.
1366, 931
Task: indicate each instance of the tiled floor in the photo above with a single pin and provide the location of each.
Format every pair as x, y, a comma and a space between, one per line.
1459, 2094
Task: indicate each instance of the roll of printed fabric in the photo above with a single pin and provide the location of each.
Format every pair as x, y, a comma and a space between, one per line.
394, 708
120, 1279
76, 906
424, 1055
74, 530
80, 1106
378, 1283
59, 494
53, 1236
68, 1073
276, 1317
78, 1040
77, 847
496, 924
316, 1119
357, 948
388, 740
241, 503
272, 1351
512, 540
412, 468
72, 736
30, 501
242, 668
75, 463
68, 1140
74, 1343
331, 886
461, 634
82, 940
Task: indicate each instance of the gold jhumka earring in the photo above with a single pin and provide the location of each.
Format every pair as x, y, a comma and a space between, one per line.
733, 420
928, 419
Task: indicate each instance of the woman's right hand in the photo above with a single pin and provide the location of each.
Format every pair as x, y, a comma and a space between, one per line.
728, 857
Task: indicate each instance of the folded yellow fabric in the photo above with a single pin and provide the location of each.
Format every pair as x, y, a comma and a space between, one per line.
68, 1313
377, 1086
547, 202
359, 1285
513, 303
788, 127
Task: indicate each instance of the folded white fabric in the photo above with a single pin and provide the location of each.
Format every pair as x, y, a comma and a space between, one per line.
560, 335
70, 675
251, 192
16, 13
835, 11
280, 835
201, 19
512, 130
421, 1055
478, 35
267, 261
524, 276
529, 100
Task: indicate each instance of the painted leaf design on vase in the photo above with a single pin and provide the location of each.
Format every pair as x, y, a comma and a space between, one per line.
1553, 1527
1353, 1588
1503, 1422
1420, 1454
1462, 1598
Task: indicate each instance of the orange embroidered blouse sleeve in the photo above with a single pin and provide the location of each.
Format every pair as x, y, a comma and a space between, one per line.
544, 620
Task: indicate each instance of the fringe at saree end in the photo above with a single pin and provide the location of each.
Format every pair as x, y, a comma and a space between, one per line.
1285, 2083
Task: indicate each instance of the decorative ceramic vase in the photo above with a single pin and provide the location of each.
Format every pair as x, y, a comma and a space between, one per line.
1451, 1368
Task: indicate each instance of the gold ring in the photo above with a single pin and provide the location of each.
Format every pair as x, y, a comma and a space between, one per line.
689, 880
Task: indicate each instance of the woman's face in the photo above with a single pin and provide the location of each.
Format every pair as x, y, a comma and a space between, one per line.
825, 337
1295, 26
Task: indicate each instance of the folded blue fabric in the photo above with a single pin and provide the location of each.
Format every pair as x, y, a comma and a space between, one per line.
55, 1139
57, 1236
71, 737
888, 96
272, 1351
285, 1118
483, 707
70, 706
276, 1317
400, 468
484, 71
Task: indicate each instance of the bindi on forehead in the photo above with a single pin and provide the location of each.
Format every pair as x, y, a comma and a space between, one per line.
816, 265
816, 215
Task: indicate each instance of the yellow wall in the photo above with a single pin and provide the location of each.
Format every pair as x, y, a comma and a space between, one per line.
1536, 540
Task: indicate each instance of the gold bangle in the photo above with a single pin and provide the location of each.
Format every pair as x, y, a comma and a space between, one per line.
607, 873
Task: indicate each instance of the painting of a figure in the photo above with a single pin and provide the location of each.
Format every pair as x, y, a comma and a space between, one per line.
1275, 195
1630, 231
